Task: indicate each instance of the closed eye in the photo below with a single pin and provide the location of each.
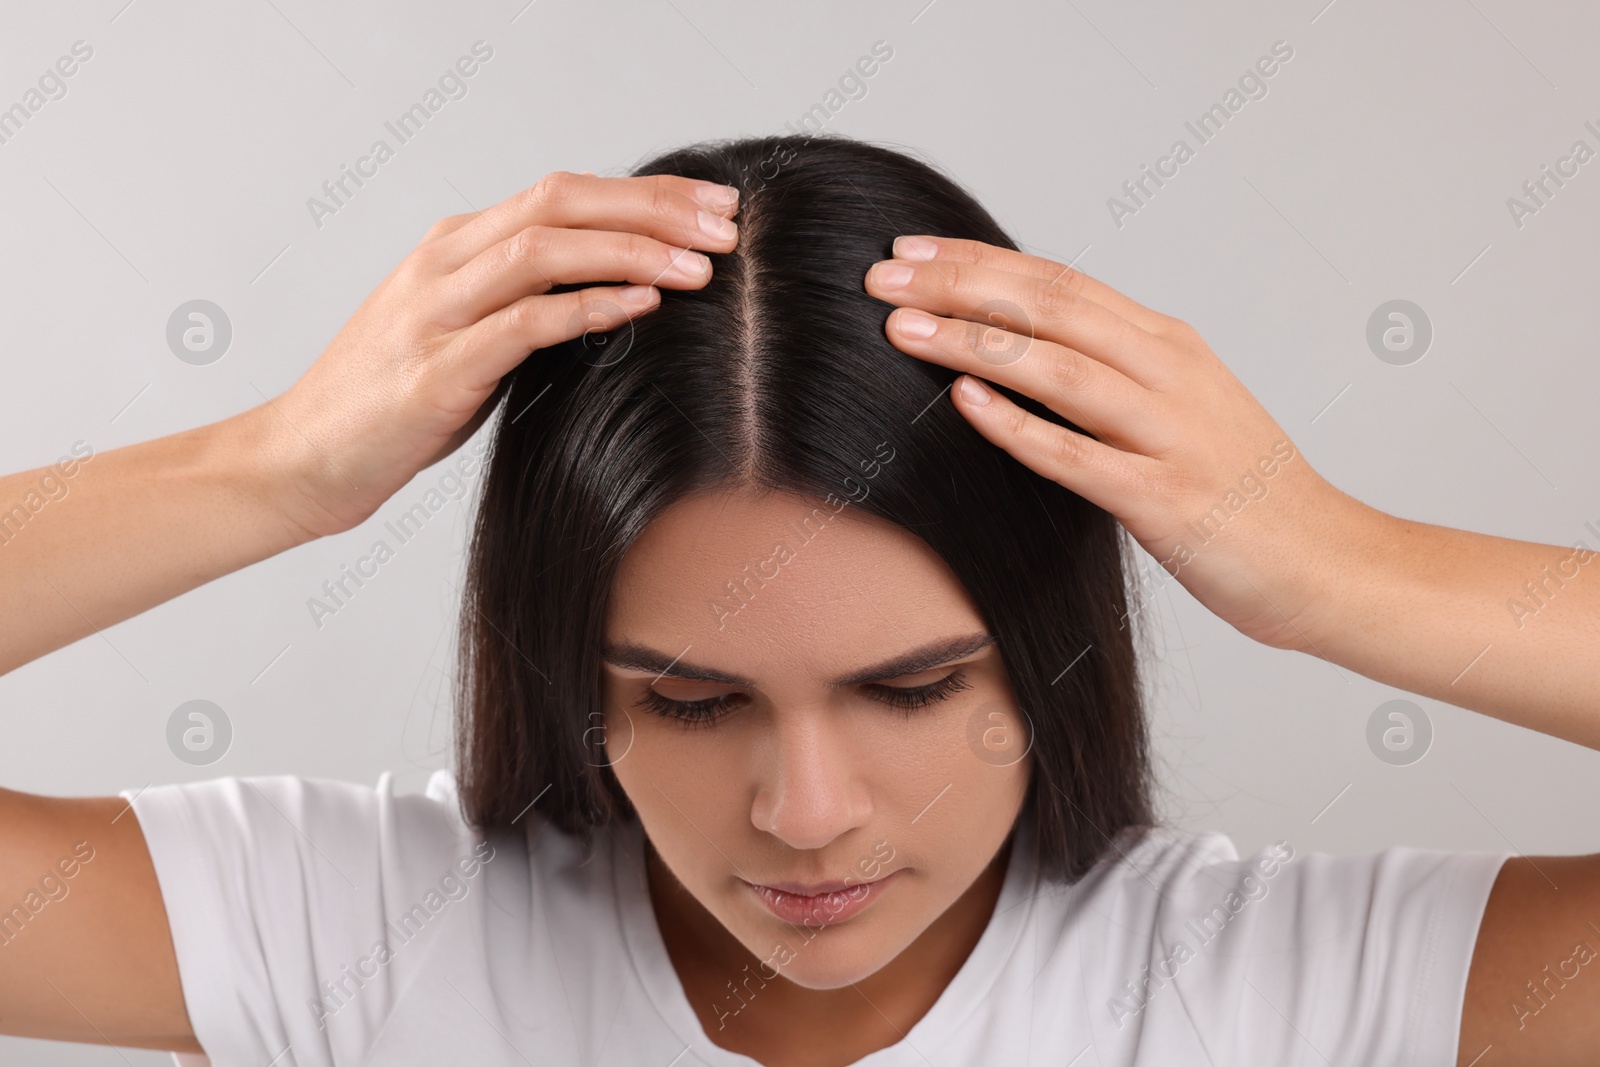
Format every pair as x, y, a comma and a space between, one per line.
709, 711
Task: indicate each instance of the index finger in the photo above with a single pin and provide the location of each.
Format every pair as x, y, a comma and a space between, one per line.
685, 212
987, 255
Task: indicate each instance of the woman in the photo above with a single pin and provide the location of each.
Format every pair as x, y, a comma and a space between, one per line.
801, 723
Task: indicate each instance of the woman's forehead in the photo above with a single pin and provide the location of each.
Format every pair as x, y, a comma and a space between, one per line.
779, 574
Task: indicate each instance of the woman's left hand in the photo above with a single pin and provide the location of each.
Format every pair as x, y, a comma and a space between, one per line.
1174, 445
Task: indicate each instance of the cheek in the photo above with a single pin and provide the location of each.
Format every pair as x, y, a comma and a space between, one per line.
672, 775
966, 780
978, 752
997, 757
685, 788
960, 791
911, 762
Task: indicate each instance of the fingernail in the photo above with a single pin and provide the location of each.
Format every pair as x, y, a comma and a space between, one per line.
717, 197
636, 294
972, 392
893, 275
915, 248
914, 323
691, 264
717, 227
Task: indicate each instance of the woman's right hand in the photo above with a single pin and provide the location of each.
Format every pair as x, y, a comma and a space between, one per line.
411, 375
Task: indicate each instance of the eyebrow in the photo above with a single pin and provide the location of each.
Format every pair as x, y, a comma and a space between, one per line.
632, 656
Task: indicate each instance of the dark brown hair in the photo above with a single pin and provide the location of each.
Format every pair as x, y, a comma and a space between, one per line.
778, 375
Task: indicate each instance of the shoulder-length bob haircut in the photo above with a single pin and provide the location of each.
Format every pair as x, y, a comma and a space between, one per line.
778, 375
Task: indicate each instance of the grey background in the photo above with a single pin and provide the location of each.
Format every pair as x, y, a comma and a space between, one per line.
1377, 167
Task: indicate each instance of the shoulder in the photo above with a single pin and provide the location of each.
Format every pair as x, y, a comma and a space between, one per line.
302, 909
1165, 882
257, 816
1253, 955
271, 811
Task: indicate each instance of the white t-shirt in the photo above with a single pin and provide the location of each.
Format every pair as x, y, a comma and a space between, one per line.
319, 922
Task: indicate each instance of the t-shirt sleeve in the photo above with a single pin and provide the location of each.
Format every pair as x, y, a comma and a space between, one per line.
300, 907
1289, 957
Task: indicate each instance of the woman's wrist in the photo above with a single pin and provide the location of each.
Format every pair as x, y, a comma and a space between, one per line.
1353, 580
224, 485
275, 463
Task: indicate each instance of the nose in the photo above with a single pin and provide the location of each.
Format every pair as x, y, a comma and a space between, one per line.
809, 791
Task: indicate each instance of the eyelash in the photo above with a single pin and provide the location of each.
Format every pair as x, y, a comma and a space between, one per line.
908, 699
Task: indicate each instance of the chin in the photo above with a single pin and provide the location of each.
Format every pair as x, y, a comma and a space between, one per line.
827, 957
833, 958
822, 974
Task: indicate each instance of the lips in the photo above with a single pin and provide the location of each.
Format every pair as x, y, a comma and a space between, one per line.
824, 903
813, 890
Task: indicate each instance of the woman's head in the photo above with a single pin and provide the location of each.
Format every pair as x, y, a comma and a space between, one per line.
748, 503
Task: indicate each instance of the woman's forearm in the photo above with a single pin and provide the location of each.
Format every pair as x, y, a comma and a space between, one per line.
135, 526
1507, 628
